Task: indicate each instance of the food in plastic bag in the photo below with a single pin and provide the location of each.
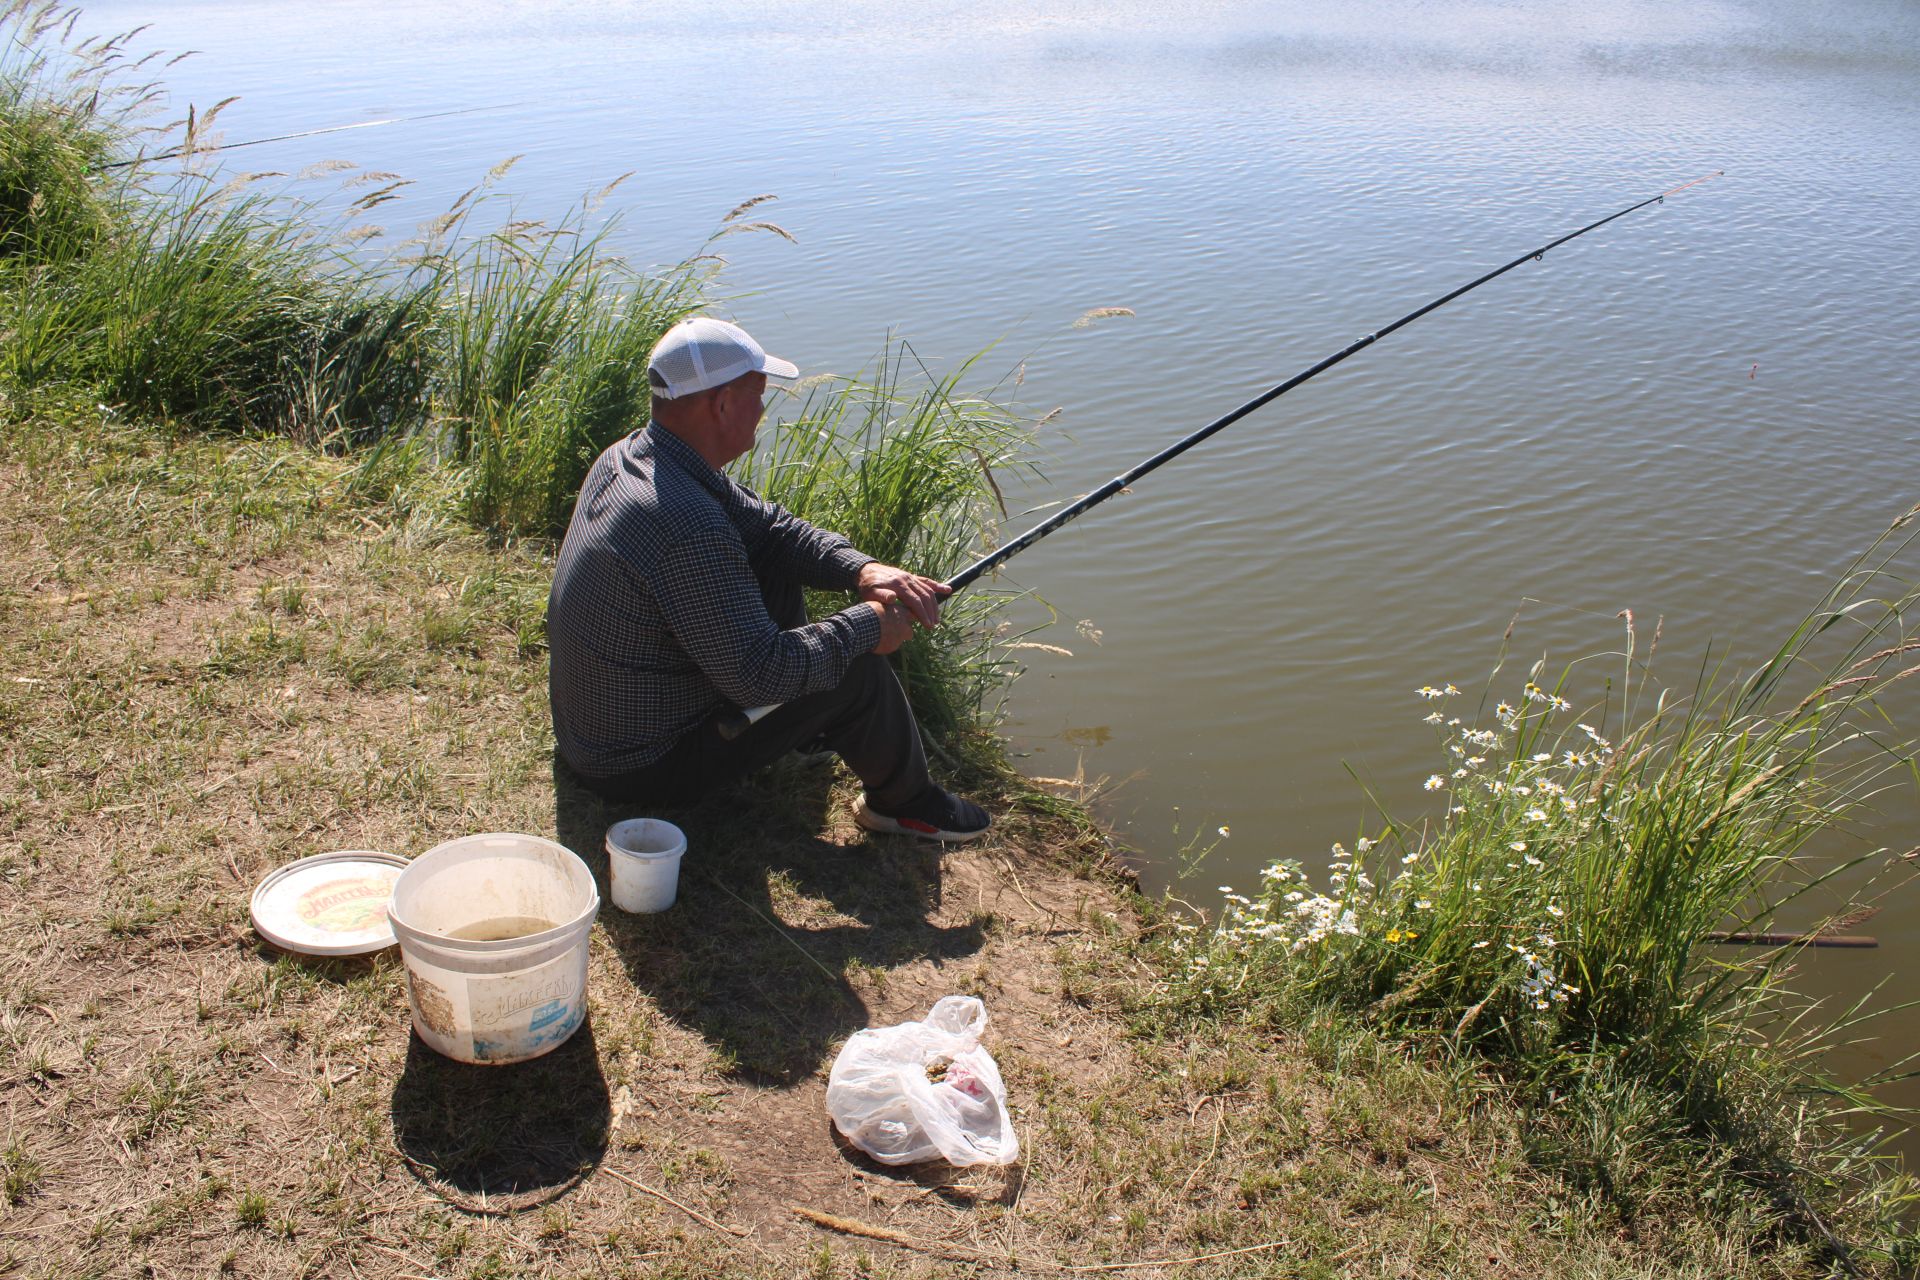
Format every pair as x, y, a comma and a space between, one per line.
923, 1090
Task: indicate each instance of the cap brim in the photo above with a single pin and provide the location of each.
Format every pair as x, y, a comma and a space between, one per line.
775, 367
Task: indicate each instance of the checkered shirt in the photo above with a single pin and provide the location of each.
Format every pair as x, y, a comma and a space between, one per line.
656, 617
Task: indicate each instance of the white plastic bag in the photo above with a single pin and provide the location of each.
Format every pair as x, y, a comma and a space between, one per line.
924, 1089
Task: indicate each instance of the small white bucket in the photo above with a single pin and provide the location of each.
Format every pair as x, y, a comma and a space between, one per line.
493, 933
643, 863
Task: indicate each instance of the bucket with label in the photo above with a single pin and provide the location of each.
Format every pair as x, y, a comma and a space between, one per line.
493, 934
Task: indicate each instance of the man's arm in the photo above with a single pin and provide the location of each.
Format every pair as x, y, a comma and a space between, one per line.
816, 557
711, 601
808, 554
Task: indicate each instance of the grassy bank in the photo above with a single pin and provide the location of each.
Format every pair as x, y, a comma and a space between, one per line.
477, 369
221, 657
1554, 921
281, 517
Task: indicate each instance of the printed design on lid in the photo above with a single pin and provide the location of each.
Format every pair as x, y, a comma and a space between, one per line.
346, 906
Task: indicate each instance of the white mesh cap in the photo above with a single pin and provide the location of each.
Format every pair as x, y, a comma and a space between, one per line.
703, 352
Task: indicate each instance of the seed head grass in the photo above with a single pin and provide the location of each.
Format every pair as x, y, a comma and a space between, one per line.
472, 377
904, 462
242, 468
1553, 920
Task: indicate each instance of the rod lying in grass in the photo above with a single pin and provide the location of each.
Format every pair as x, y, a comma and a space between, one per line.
737, 723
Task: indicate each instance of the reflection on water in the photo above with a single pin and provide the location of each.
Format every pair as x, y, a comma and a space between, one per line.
1698, 413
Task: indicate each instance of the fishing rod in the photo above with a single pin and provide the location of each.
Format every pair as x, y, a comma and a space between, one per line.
305, 133
735, 721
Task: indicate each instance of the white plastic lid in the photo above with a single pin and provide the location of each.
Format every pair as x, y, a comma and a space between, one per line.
332, 904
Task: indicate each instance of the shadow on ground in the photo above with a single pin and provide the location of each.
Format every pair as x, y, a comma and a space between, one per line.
505, 1138
767, 989
963, 1187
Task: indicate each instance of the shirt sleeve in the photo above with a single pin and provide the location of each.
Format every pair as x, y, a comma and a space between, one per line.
809, 554
711, 601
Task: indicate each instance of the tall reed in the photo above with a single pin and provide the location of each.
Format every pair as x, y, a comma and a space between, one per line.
216, 310
511, 356
1554, 918
541, 350
492, 364
907, 466
61, 119
185, 297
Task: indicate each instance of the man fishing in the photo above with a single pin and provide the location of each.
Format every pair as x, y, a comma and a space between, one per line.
678, 596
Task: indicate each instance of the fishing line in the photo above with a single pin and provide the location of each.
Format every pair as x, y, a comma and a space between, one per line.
735, 721
307, 133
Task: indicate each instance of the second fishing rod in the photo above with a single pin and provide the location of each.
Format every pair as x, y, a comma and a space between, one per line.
736, 721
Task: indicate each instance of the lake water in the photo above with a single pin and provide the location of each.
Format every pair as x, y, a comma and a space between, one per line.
1698, 413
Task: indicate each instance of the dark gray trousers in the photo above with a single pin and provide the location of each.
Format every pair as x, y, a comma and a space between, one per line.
865, 720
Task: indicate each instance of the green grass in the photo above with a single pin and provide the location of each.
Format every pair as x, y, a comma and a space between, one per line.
142, 771
908, 465
160, 1098
1553, 921
474, 376
20, 1174
250, 1211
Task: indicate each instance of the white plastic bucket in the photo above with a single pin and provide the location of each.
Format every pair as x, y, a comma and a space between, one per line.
643, 863
515, 986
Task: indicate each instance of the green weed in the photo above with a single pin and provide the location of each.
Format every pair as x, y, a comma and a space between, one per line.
1553, 919
250, 1211
908, 466
20, 1174
160, 1098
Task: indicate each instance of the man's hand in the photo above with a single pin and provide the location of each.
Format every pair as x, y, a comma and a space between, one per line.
896, 624
880, 583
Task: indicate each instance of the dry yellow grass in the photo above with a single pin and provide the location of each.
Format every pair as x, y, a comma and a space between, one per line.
217, 660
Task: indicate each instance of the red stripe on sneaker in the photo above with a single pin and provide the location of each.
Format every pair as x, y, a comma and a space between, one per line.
914, 824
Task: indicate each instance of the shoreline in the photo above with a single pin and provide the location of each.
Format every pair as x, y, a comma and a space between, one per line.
223, 659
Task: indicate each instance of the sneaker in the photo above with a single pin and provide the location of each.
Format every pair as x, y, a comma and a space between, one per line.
936, 815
